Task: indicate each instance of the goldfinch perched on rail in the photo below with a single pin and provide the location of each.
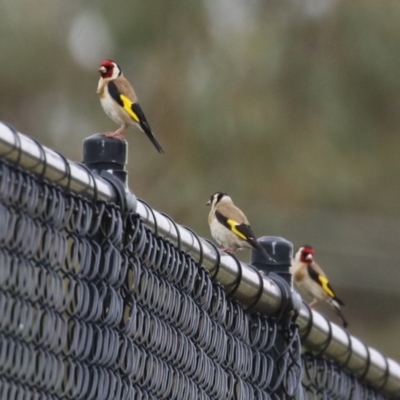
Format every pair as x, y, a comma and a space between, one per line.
310, 278
120, 102
229, 226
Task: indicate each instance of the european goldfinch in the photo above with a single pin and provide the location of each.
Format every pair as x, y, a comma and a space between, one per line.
120, 102
311, 279
229, 226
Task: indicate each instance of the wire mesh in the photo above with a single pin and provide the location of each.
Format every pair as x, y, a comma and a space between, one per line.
323, 379
94, 305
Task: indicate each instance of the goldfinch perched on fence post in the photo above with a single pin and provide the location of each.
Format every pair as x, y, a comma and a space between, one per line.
120, 102
229, 226
310, 278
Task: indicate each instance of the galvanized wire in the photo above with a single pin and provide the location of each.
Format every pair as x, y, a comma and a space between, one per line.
317, 333
322, 379
94, 305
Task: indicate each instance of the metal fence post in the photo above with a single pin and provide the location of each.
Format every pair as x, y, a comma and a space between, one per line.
278, 270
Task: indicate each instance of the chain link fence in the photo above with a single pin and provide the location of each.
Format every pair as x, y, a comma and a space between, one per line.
96, 305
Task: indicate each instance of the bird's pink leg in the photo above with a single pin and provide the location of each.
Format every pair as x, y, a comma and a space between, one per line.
313, 303
229, 251
118, 134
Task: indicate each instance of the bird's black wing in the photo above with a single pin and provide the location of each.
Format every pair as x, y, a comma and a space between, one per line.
323, 282
135, 112
243, 231
146, 126
114, 93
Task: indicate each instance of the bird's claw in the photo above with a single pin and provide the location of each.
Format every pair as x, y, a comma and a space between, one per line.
229, 251
115, 135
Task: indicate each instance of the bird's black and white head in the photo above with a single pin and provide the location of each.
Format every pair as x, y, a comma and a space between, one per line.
305, 254
218, 197
109, 70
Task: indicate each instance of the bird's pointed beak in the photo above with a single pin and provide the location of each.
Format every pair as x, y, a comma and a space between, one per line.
309, 257
102, 70
208, 203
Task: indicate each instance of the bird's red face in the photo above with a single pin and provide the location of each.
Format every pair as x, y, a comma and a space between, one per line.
307, 254
108, 68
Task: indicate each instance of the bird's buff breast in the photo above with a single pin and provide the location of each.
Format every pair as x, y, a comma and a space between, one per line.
111, 108
223, 236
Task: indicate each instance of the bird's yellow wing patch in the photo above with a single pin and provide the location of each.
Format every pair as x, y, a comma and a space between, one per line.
127, 106
233, 226
325, 285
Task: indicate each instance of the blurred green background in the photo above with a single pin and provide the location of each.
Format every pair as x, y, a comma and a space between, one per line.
290, 106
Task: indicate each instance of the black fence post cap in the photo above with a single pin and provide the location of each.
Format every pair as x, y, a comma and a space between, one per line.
102, 149
102, 153
281, 250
